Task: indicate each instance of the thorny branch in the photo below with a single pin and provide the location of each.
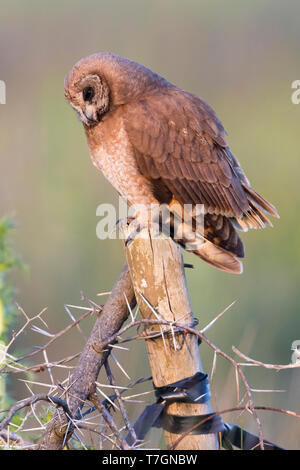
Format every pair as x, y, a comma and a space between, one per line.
113, 315
9, 439
82, 385
30, 401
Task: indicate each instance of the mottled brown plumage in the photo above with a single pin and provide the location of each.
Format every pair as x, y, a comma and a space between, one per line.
157, 143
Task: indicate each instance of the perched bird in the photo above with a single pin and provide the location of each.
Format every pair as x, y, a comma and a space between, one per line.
157, 143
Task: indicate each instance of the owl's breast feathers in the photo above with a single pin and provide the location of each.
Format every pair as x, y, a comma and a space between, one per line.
112, 153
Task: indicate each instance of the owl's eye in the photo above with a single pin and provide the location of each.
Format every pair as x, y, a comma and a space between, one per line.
88, 93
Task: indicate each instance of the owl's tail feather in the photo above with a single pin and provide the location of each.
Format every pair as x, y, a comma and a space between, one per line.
256, 215
219, 258
217, 243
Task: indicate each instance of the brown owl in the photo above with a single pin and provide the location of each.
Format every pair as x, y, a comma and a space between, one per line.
157, 143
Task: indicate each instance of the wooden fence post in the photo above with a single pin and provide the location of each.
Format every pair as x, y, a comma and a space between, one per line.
157, 272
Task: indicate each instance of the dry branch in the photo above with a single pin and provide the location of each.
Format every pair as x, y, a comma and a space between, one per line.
92, 358
30, 401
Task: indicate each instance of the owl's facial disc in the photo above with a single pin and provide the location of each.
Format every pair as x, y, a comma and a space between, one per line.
91, 100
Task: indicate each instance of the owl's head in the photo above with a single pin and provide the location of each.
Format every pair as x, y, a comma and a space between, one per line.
88, 95
100, 82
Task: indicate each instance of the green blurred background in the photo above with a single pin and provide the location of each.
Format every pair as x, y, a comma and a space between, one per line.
241, 57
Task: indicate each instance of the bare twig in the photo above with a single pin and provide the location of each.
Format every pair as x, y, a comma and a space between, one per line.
121, 403
265, 366
108, 419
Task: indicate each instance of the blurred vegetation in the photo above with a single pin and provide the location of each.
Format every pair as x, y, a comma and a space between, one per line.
8, 261
241, 57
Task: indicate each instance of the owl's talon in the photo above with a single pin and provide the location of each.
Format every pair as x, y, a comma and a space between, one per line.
131, 227
134, 229
124, 222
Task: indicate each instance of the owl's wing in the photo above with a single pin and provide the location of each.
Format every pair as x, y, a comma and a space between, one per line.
180, 143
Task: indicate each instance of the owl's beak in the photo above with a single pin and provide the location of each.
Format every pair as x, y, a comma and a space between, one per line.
89, 113
89, 116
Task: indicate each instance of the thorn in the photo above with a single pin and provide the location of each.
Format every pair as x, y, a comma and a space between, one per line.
103, 293
112, 386
77, 306
36, 329
214, 365
156, 314
69, 313
129, 308
119, 365
217, 318
163, 338
118, 347
173, 336
108, 399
